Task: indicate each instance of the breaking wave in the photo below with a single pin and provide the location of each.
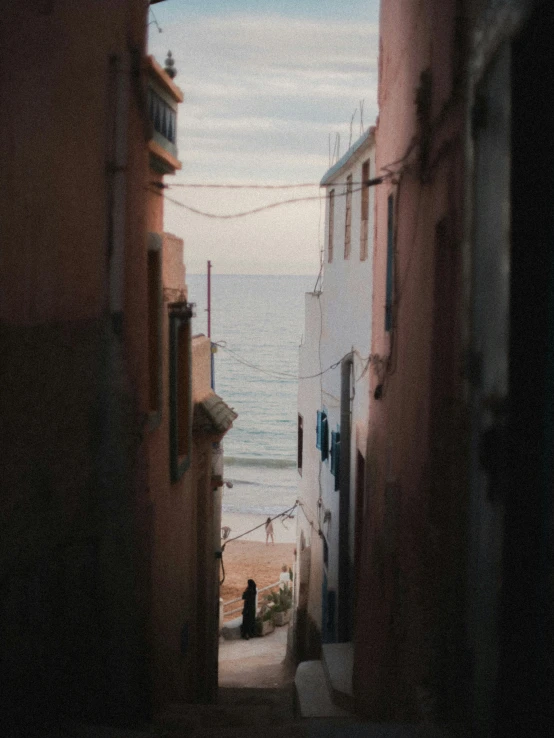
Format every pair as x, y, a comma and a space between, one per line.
260, 462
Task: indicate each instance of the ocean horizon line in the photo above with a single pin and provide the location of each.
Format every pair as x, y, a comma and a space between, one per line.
251, 274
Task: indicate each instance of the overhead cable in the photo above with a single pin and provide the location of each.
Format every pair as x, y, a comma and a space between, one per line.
285, 514
231, 216
275, 373
193, 185
214, 186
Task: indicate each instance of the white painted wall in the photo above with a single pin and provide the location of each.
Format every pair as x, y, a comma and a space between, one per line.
337, 320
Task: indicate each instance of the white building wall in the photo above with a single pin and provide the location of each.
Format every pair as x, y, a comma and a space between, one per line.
338, 320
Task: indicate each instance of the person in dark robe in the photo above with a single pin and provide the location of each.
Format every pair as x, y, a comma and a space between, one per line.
248, 627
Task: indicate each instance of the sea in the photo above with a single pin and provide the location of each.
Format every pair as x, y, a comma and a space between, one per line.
257, 322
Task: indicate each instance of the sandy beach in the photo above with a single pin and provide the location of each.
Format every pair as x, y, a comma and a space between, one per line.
284, 531
245, 560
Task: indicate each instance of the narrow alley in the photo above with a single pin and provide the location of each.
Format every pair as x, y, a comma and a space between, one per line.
369, 186
257, 697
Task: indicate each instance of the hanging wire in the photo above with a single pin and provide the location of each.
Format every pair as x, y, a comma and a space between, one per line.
275, 373
285, 514
231, 216
193, 185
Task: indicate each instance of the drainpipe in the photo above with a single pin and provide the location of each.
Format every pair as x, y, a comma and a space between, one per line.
344, 633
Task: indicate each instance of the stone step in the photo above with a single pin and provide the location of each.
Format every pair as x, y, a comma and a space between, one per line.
338, 663
313, 698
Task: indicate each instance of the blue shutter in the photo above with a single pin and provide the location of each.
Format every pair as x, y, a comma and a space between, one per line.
324, 437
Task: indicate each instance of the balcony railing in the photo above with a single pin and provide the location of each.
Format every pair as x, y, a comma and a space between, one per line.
162, 115
162, 111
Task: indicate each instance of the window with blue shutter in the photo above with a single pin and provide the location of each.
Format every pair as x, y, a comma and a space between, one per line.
322, 434
335, 457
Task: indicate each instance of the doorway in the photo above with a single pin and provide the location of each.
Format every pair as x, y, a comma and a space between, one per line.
527, 617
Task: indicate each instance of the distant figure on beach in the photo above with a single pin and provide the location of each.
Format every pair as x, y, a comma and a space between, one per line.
225, 531
269, 531
284, 578
248, 627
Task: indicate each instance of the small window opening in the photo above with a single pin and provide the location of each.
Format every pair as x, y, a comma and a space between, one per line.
364, 223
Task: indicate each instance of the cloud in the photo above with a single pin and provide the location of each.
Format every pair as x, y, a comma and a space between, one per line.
265, 96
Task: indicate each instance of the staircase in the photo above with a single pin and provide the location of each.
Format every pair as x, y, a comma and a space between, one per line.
256, 713
239, 713
324, 700
322, 707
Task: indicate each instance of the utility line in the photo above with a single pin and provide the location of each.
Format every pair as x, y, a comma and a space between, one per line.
236, 186
275, 373
193, 185
286, 513
230, 216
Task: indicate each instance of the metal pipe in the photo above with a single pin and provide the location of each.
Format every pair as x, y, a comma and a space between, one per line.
344, 625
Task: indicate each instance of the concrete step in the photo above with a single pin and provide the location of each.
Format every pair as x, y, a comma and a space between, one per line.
338, 663
344, 729
313, 698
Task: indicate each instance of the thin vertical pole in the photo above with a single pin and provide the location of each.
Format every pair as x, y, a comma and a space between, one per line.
209, 299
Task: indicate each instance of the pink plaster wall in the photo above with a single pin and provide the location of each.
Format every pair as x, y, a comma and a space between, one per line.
181, 525
73, 391
395, 661
201, 367
173, 266
53, 82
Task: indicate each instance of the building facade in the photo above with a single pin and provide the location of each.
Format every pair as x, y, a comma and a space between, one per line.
333, 408
108, 602
73, 317
186, 420
453, 623
410, 603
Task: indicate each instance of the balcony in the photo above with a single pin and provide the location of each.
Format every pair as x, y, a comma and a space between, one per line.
163, 98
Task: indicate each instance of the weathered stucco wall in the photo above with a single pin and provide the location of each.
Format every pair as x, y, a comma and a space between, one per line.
183, 599
73, 368
408, 608
201, 367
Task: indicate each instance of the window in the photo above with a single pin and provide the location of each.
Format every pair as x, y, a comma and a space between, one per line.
330, 235
162, 115
364, 224
180, 388
335, 456
155, 306
348, 217
322, 434
390, 263
300, 442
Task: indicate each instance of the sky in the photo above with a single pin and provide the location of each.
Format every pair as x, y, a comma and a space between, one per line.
268, 88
